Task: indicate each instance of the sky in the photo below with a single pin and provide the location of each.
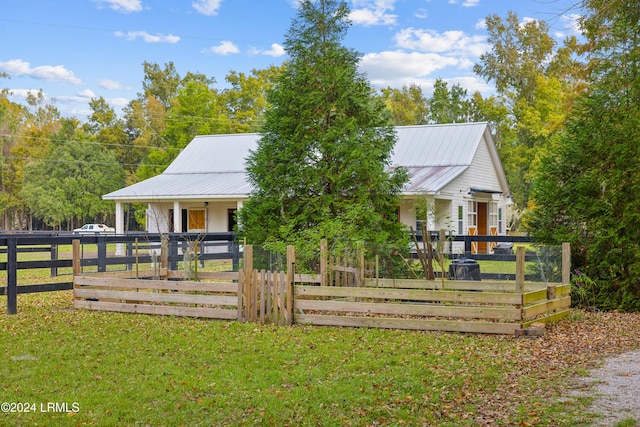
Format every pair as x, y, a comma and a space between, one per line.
76, 50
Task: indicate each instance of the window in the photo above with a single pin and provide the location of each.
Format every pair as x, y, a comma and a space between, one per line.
461, 221
472, 213
196, 220
493, 215
500, 226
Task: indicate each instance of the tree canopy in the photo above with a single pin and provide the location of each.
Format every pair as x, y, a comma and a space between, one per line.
320, 167
587, 190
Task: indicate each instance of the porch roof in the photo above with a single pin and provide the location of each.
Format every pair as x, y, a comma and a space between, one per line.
212, 185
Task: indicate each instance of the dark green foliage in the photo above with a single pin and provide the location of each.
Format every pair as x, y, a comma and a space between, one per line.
67, 184
588, 192
320, 169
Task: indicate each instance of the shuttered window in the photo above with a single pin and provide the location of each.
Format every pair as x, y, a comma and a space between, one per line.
196, 220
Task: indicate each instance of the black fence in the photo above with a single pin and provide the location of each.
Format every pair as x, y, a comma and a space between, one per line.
222, 246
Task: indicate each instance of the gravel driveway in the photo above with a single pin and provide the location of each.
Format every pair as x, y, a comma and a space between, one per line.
616, 385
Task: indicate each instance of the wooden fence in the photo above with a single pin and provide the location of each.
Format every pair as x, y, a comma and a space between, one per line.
284, 298
43, 251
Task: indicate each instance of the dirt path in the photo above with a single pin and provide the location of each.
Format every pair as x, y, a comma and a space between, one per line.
616, 385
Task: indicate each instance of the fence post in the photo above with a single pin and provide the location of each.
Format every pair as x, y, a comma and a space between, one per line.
520, 258
102, 253
12, 275
137, 260
241, 279
76, 257
235, 257
291, 270
248, 279
324, 258
54, 257
164, 252
173, 252
566, 263
129, 254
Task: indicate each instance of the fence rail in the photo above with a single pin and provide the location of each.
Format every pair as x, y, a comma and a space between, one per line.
129, 247
281, 297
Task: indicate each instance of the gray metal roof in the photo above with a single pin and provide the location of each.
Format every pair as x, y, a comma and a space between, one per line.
437, 145
213, 166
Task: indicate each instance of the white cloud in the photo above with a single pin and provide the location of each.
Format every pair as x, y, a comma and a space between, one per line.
470, 3
149, 38
481, 24
111, 85
275, 51
126, 6
452, 42
19, 67
118, 102
83, 96
393, 65
373, 12
422, 13
87, 93
207, 7
224, 48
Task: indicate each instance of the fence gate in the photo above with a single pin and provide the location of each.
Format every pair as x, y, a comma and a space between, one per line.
267, 296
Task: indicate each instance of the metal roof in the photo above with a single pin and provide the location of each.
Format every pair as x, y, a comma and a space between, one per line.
437, 145
214, 153
213, 166
430, 179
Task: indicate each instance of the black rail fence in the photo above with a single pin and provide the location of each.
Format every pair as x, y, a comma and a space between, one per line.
131, 248
141, 248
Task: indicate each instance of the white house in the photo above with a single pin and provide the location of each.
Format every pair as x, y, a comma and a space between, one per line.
457, 182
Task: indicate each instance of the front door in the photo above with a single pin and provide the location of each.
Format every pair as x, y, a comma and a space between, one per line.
482, 226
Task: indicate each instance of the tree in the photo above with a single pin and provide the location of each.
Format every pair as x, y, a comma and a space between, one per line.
196, 110
530, 72
109, 130
407, 106
67, 184
162, 84
319, 170
448, 105
587, 191
246, 100
11, 115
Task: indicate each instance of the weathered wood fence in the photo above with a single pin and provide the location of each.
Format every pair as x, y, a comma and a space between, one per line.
284, 298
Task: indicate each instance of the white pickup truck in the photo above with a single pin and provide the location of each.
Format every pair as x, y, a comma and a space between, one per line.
93, 229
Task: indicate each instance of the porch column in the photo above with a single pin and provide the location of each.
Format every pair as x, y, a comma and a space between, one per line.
177, 217
119, 226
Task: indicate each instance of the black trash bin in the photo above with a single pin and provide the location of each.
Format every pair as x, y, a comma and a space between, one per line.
504, 248
464, 269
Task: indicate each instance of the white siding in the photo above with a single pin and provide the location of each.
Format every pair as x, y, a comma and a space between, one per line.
480, 174
407, 213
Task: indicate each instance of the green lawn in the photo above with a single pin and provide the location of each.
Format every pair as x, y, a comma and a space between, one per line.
130, 370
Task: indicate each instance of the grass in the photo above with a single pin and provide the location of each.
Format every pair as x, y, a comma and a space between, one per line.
627, 422
137, 370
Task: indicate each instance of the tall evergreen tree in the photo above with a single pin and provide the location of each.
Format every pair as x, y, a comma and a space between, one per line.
320, 170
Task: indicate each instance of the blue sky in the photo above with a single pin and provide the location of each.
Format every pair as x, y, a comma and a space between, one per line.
75, 50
